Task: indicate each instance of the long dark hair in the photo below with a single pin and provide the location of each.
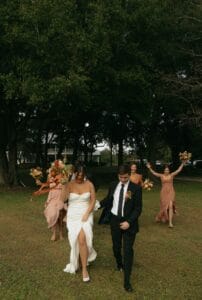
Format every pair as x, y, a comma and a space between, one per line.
80, 169
166, 166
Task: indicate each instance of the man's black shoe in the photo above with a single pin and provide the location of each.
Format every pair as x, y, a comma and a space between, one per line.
128, 288
119, 268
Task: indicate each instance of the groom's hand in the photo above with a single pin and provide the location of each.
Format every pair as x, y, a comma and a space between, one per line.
124, 225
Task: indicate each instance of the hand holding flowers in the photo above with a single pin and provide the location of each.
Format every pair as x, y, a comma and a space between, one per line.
37, 174
147, 184
185, 156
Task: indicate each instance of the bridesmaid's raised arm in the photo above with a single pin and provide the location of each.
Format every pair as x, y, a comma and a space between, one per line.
178, 170
152, 171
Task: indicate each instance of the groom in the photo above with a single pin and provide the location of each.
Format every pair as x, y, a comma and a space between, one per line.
124, 201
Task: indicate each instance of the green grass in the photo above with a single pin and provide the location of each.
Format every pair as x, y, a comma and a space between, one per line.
167, 261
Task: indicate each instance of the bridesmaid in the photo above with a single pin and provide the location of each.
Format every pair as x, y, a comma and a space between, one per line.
167, 194
55, 209
134, 176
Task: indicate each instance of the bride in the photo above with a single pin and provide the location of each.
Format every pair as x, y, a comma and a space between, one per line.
81, 201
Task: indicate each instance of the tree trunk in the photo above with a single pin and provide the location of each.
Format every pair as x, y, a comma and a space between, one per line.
61, 145
39, 159
120, 152
3, 167
85, 152
46, 146
12, 147
12, 153
175, 156
111, 153
75, 149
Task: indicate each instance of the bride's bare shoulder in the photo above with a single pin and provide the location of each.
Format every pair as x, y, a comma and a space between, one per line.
90, 185
88, 182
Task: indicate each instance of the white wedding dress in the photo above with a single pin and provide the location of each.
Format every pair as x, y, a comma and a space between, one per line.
77, 206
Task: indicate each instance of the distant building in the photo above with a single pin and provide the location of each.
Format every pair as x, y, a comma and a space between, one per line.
68, 153
52, 155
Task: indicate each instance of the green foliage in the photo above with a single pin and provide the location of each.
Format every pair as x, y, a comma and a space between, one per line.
131, 69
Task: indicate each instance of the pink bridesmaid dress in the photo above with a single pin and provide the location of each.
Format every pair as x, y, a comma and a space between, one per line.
167, 196
53, 205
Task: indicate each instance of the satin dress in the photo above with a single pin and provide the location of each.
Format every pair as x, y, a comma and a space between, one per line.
54, 205
77, 206
167, 197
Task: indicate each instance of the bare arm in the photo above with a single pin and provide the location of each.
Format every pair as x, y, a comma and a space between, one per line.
42, 189
41, 192
152, 171
178, 170
141, 180
65, 192
91, 203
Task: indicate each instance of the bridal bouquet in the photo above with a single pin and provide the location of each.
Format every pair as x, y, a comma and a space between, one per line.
64, 179
58, 164
37, 174
147, 185
67, 169
184, 156
61, 168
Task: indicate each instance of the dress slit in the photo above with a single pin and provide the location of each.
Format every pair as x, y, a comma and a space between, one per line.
74, 226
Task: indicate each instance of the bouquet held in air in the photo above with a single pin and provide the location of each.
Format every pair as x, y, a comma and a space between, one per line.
185, 156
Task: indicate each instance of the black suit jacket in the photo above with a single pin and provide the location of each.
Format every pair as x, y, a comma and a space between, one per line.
132, 205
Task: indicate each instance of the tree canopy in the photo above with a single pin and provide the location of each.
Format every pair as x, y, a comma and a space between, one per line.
130, 68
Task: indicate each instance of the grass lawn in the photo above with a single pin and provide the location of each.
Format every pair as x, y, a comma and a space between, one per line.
167, 261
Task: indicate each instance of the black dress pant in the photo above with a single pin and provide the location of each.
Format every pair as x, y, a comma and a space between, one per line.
122, 239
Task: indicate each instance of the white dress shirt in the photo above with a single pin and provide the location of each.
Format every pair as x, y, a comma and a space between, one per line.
114, 209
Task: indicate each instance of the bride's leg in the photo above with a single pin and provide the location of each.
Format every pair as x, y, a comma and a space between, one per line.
83, 249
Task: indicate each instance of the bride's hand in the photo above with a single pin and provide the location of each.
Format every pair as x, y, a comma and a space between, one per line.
85, 217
